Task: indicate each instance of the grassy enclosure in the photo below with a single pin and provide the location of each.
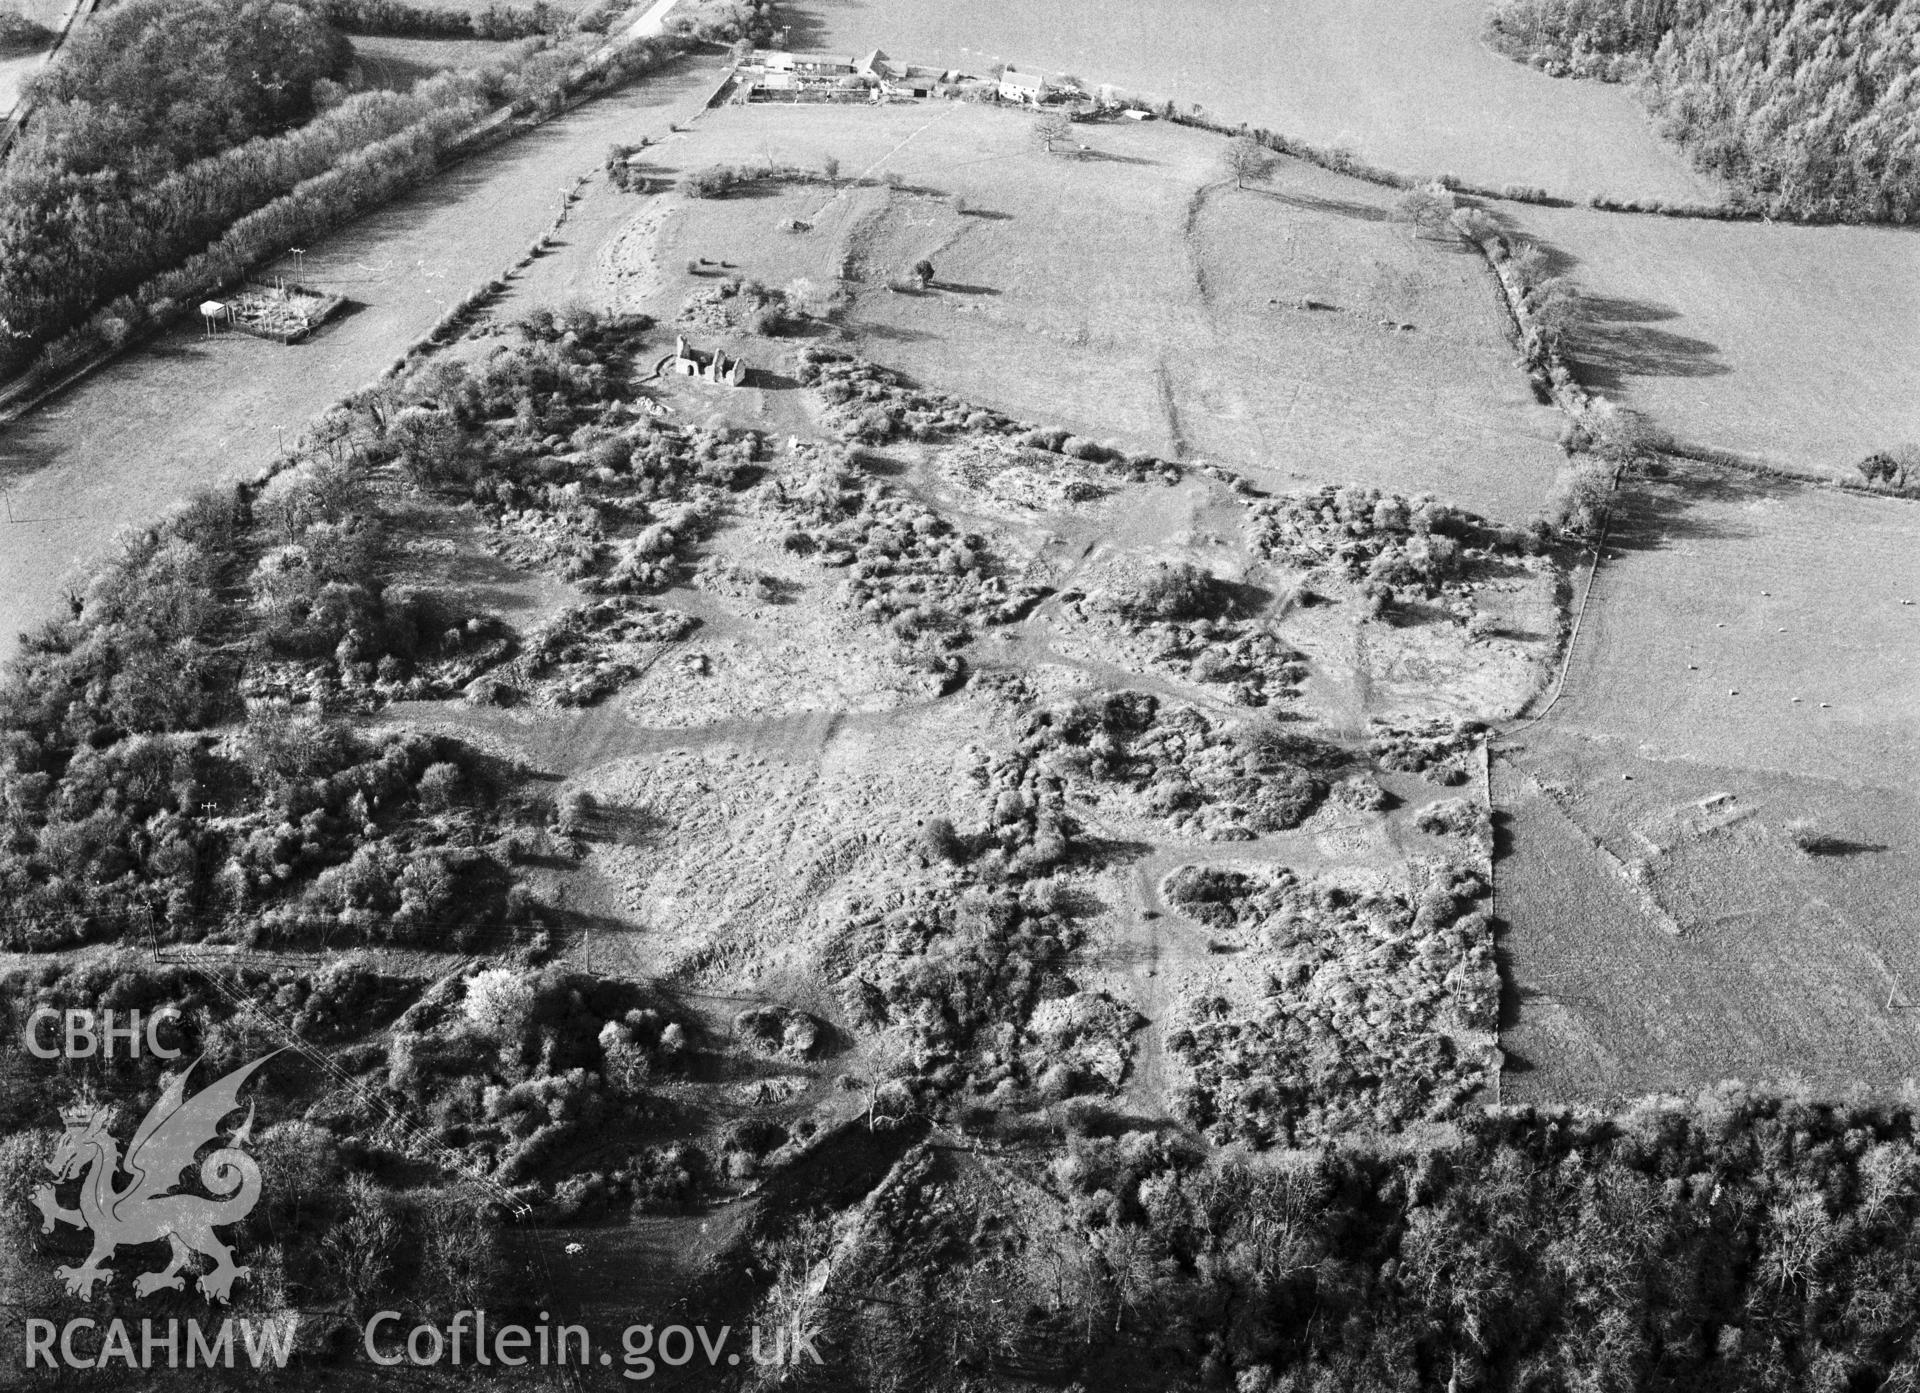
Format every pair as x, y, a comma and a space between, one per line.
1791, 598
1708, 850
1204, 349
1792, 344
1785, 965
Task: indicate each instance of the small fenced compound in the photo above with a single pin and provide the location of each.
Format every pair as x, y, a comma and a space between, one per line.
283, 311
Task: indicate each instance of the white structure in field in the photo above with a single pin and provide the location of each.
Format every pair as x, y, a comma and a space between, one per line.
715, 367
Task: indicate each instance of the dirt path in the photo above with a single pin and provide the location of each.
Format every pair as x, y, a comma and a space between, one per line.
188, 412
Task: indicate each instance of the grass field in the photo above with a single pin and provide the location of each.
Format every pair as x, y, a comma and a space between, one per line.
1405, 83
1746, 669
1404, 379
1793, 344
1783, 964
1790, 597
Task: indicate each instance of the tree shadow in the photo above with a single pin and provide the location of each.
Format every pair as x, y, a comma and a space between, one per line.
1837, 846
915, 190
750, 188
986, 214
1245, 598
1111, 851
956, 288
1410, 613
1312, 203
893, 333
1110, 157
1614, 340
880, 465
1651, 515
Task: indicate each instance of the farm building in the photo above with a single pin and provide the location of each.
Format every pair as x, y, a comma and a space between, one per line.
910, 81
897, 79
716, 366
772, 80
802, 64
806, 77
1030, 88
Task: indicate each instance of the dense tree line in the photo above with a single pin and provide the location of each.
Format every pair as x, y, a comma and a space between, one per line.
152, 85
432, 22
70, 242
1747, 1239
160, 124
1809, 108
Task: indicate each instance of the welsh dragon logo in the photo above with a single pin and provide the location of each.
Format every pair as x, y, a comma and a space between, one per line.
146, 1209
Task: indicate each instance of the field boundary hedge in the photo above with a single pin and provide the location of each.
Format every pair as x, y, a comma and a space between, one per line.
1340, 161
1746, 464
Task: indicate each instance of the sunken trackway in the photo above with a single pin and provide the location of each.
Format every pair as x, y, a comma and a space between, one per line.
187, 412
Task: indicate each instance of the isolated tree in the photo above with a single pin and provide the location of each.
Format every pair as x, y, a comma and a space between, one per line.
1247, 159
1428, 209
923, 272
1891, 469
1473, 224
830, 167
1049, 129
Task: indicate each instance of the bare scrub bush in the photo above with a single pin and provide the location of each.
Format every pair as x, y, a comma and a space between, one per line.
1457, 817
1178, 591
940, 842
715, 181
1580, 497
